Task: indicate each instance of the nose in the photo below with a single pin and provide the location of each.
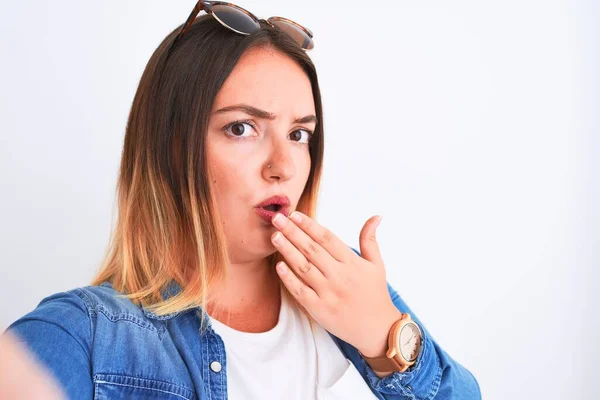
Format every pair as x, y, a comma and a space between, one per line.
280, 164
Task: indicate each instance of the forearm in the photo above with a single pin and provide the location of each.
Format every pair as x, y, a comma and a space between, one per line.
21, 376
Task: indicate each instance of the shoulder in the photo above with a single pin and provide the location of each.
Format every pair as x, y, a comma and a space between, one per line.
104, 299
67, 311
61, 332
76, 309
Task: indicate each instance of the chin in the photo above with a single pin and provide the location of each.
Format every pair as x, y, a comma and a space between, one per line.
265, 246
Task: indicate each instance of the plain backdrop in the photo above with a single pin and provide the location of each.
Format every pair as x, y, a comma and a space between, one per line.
471, 126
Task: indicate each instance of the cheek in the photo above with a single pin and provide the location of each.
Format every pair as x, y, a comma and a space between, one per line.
228, 181
307, 162
220, 168
224, 178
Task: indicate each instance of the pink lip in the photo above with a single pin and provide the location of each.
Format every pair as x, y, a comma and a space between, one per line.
268, 215
283, 201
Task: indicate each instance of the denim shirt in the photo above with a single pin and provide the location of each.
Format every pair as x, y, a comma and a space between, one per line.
103, 347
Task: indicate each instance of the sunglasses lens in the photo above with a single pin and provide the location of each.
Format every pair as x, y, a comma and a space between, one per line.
235, 18
295, 32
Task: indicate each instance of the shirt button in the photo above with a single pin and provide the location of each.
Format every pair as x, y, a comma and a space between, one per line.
215, 366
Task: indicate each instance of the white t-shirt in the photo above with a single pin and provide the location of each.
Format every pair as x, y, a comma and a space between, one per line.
288, 362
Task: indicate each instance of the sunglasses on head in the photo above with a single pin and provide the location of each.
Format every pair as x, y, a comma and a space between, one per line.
244, 22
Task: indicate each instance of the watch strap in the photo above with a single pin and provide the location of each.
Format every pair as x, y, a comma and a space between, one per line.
385, 364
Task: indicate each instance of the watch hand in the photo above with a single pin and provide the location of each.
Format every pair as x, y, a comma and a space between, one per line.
414, 336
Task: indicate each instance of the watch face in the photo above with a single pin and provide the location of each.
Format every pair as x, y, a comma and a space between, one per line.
410, 342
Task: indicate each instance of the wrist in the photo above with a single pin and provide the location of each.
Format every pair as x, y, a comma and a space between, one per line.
377, 344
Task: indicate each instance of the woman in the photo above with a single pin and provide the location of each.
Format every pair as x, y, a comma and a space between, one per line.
204, 293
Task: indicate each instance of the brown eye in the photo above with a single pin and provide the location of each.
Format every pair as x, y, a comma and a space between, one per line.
237, 129
297, 134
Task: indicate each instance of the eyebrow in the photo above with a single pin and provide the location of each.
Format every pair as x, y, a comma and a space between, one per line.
257, 112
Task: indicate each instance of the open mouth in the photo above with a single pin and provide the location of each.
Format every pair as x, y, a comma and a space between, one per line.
272, 207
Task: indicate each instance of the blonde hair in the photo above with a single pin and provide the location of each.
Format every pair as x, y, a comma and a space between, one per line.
168, 226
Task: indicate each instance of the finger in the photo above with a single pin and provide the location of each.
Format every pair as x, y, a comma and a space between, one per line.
369, 248
303, 268
323, 236
301, 292
311, 250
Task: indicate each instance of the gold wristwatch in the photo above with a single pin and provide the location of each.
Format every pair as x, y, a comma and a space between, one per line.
404, 344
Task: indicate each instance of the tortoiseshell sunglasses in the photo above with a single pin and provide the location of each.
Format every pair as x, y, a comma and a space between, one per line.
244, 22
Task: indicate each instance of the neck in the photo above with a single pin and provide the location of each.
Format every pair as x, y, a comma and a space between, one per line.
250, 300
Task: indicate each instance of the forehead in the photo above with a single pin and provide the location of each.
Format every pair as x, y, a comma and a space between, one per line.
269, 80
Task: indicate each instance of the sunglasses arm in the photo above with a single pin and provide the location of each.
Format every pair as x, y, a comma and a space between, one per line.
200, 5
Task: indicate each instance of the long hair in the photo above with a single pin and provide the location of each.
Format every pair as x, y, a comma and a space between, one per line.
168, 226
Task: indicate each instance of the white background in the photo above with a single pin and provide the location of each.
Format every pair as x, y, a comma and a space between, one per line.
470, 126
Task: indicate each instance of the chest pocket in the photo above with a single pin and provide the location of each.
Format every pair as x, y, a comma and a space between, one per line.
114, 386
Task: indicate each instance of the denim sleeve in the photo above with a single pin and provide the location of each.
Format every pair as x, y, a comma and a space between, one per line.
435, 375
58, 334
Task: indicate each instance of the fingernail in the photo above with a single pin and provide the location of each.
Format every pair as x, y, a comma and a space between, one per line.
281, 268
277, 238
295, 216
279, 220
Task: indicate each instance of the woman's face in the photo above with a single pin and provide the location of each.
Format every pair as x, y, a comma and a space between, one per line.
239, 152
